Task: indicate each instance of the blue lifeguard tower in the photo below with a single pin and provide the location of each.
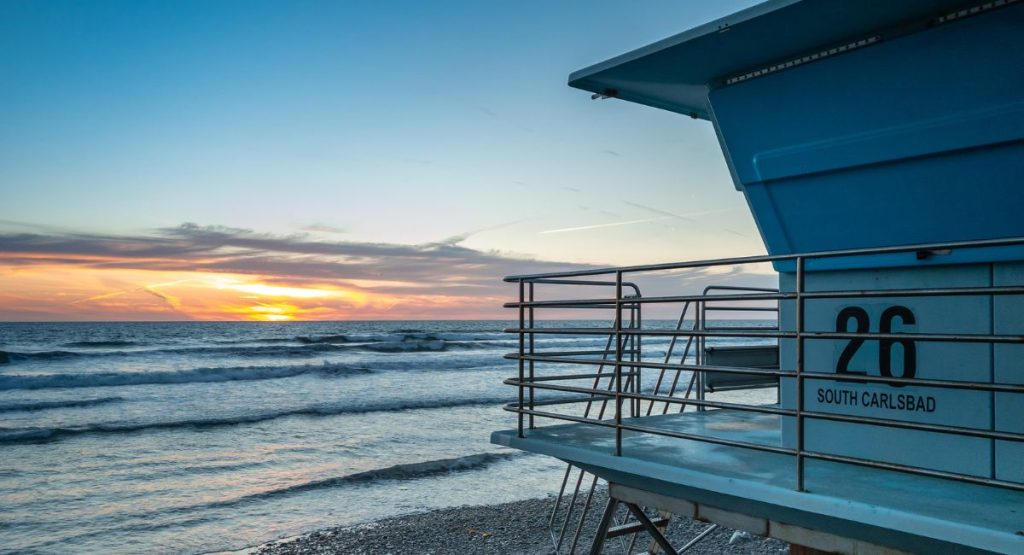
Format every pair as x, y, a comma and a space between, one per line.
880, 148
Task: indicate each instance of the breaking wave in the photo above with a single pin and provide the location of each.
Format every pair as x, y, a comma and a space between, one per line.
398, 472
33, 435
297, 348
101, 344
236, 373
410, 471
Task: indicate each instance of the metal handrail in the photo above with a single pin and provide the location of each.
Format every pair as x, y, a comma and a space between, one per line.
631, 368
740, 260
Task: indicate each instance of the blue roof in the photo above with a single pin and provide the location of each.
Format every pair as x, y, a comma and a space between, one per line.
675, 74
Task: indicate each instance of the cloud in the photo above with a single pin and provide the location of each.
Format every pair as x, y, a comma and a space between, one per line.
191, 247
324, 228
174, 265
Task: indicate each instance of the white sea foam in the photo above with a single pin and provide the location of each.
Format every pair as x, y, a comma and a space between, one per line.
108, 379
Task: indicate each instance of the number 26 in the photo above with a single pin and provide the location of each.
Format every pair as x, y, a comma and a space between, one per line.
862, 323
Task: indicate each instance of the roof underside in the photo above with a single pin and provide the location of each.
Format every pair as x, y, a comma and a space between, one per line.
674, 74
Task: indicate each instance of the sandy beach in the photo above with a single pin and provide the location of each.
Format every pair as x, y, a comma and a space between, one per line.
517, 528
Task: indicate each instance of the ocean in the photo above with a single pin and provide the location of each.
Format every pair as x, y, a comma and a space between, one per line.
202, 437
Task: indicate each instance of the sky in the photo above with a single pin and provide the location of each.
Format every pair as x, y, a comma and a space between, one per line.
176, 160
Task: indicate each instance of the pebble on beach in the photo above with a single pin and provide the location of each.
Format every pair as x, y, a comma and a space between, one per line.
518, 528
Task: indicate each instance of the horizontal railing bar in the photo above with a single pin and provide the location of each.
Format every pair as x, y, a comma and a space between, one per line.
658, 365
915, 470
568, 303
513, 407
826, 376
568, 353
920, 382
772, 258
886, 422
739, 288
710, 308
578, 376
653, 300
607, 393
668, 333
763, 409
573, 305
711, 439
904, 424
548, 402
741, 328
658, 398
709, 299
934, 337
933, 292
629, 284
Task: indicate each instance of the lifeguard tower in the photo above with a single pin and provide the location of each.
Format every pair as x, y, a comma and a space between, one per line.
880, 148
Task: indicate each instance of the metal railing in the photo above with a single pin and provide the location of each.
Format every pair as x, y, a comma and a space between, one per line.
559, 522
624, 390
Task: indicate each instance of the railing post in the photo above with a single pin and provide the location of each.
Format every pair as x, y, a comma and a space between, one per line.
799, 373
618, 364
532, 336
638, 354
701, 325
522, 342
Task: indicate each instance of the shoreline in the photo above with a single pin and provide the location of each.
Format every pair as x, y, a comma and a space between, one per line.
514, 528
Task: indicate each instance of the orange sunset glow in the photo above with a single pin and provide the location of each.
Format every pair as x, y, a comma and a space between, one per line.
194, 272
116, 294
211, 273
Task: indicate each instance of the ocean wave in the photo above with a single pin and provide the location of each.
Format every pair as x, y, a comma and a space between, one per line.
100, 344
45, 405
193, 375
232, 350
303, 346
313, 340
12, 356
399, 336
407, 346
409, 471
307, 349
398, 472
40, 434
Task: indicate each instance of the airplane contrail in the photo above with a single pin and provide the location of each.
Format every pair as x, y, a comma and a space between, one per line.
598, 226
686, 217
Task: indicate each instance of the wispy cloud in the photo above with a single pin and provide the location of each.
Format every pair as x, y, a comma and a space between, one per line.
324, 228
686, 217
599, 226
191, 247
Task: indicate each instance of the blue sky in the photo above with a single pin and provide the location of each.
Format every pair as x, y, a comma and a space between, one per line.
377, 122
